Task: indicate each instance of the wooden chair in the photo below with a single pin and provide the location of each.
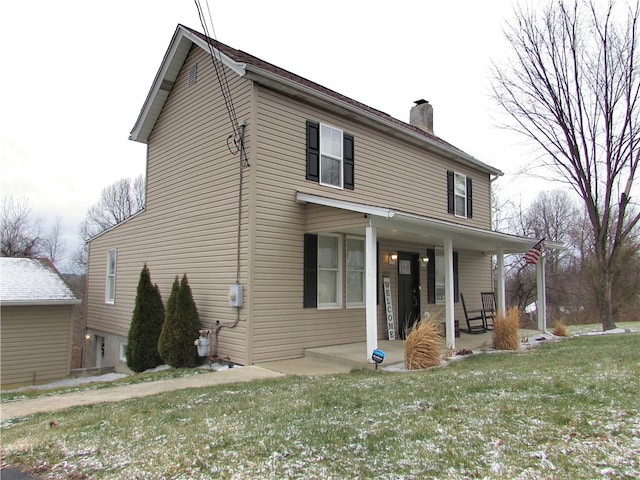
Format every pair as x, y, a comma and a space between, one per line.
475, 319
489, 308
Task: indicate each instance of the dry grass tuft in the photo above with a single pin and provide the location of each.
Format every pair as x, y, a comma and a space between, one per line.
505, 334
560, 330
422, 345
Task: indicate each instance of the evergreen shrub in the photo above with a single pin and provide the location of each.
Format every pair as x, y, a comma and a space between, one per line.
146, 325
181, 327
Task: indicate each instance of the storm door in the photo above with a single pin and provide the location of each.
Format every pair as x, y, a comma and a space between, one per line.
408, 291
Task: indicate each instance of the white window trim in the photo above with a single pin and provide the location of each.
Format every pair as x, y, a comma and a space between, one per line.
364, 271
340, 158
457, 175
111, 276
339, 273
123, 352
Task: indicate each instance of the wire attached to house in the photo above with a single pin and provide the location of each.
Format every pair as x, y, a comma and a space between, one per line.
221, 74
237, 137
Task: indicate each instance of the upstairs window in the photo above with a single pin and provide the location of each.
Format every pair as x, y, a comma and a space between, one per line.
460, 192
330, 154
459, 198
110, 289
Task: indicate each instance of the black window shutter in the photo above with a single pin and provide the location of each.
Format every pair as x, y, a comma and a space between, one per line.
451, 203
431, 276
310, 270
348, 162
313, 151
469, 199
455, 277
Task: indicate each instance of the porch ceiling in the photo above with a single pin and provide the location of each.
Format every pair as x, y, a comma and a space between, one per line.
395, 224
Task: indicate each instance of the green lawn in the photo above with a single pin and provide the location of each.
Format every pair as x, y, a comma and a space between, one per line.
564, 410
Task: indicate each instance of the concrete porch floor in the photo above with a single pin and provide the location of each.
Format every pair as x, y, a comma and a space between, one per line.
349, 356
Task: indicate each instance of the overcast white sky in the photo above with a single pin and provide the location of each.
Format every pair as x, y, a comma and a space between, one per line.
75, 74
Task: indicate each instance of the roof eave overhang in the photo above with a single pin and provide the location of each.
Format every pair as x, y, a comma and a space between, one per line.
174, 58
473, 238
39, 302
313, 96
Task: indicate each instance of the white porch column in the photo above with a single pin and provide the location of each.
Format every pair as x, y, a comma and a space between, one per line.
500, 292
448, 293
370, 291
541, 288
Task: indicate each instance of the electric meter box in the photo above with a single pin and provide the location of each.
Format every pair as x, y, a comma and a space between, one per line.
235, 295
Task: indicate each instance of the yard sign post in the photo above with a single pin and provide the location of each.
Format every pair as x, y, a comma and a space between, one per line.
386, 282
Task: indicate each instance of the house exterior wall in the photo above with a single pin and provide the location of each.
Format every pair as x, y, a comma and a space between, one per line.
36, 343
189, 225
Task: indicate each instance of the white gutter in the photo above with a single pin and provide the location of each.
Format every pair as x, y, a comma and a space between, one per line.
341, 204
37, 302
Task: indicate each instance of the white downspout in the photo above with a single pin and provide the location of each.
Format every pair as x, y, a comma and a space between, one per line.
541, 288
370, 291
448, 293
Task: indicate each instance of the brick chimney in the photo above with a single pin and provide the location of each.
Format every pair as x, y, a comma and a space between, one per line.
422, 116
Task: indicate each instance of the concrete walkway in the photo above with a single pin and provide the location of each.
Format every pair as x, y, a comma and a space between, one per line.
317, 361
53, 403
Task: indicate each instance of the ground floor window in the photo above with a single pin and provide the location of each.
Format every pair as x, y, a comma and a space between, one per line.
356, 270
110, 289
329, 271
435, 276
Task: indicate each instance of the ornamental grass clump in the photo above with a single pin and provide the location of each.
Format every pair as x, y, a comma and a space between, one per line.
505, 333
422, 345
560, 330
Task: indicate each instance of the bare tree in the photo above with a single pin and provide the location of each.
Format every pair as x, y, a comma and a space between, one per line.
118, 202
572, 87
52, 245
20, 231
551, 215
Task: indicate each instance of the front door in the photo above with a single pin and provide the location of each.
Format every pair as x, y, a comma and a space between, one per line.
408, 291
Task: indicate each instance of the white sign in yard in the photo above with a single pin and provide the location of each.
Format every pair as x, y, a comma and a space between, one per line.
388, 307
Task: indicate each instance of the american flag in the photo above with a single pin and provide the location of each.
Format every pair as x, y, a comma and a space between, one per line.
533, 255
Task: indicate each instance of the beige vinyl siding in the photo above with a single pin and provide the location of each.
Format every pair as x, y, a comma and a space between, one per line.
474, 272
190, 220
36, 343
389, 173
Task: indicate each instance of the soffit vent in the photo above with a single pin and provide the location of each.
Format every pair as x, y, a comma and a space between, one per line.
193, 74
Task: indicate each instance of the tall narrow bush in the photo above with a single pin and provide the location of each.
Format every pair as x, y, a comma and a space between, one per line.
146, 325
181, 327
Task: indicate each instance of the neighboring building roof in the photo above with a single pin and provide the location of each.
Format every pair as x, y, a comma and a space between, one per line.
32, 281
253, 68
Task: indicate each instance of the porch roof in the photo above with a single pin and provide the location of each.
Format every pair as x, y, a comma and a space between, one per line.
406, 226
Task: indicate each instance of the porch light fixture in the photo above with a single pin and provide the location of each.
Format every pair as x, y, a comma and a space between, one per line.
424, 260
393, 257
